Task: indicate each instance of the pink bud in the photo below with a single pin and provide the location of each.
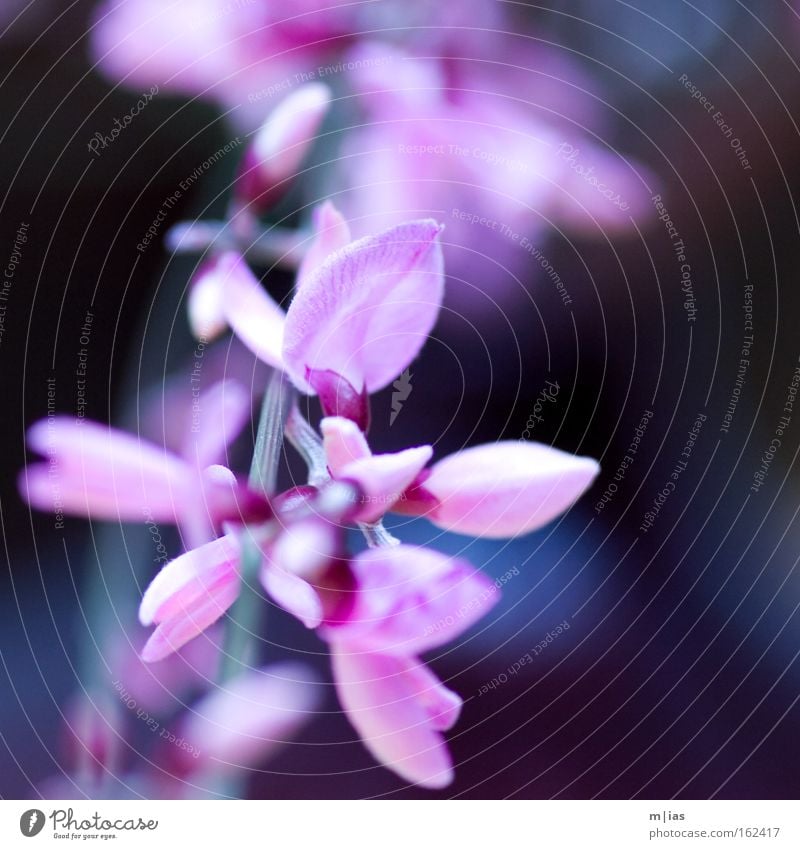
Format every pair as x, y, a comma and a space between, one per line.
500, 490
278, 148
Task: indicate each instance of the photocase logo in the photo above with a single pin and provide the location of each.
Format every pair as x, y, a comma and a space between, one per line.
402, 389
31, 822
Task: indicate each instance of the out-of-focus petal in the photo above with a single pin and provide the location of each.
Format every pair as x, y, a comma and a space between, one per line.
293, 594
442, 704
192, 575
382, 701
344, 442
410, 599
199, 614
243, 721
501, 490
184, 44
384, 478
299, 556
221, 413
331, 233
97, 471
280, 145
306, 546
204, 302
366, 312
251, 313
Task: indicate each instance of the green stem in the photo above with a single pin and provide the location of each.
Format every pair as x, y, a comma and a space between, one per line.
246, 613
309, 446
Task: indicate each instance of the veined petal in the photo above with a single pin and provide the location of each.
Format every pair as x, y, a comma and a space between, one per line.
384, 478
240, 723
366, 312
251, 313
381, 697
331, 234
503, 489
97, 471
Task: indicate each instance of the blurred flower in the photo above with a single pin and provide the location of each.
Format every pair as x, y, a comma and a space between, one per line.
245, 720
243, 53
446, 139
274, 155
99, 472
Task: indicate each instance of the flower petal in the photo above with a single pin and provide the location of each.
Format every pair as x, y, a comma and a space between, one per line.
97, 471
503, 489
366, 312
442, 704
193, 620
222, 411
331, 233
252, 314
299, 557
189, 577
293, 594
280, 145
380, 695
243, 721
410, 599
384, 478
344, 442
204, 302
339, 398
306, 546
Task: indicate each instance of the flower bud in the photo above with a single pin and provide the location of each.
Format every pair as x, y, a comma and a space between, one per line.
272, 159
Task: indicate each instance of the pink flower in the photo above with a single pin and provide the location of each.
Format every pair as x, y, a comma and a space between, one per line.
407, 600
498, 490
194, 590
211, 48
244, 54
358, 318
440, 135
378, 611
97, 471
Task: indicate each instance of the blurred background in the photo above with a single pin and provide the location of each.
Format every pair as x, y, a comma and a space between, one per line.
678, 675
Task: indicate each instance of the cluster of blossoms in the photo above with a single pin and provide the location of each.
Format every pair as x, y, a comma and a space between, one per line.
440, 107
361, 313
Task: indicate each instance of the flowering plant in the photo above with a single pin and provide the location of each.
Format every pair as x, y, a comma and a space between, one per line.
361, 313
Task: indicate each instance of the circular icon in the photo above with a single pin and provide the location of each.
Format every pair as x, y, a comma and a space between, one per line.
31, 822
